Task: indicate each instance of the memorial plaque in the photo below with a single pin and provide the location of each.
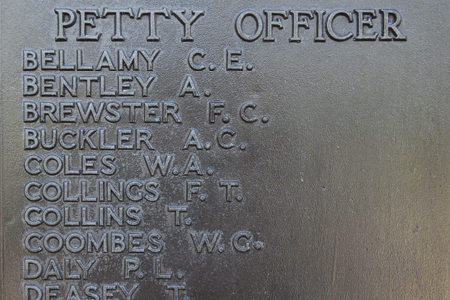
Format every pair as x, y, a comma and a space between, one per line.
225, 150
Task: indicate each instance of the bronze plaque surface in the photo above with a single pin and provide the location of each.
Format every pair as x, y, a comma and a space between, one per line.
224, 150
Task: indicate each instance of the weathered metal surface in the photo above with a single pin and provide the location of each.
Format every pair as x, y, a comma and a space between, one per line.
225, 150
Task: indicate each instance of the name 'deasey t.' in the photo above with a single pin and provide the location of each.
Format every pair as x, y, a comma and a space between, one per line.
361, 25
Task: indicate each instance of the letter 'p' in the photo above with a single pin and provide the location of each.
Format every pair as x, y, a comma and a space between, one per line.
65, 18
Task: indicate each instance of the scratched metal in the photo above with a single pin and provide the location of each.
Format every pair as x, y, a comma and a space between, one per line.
295, 170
